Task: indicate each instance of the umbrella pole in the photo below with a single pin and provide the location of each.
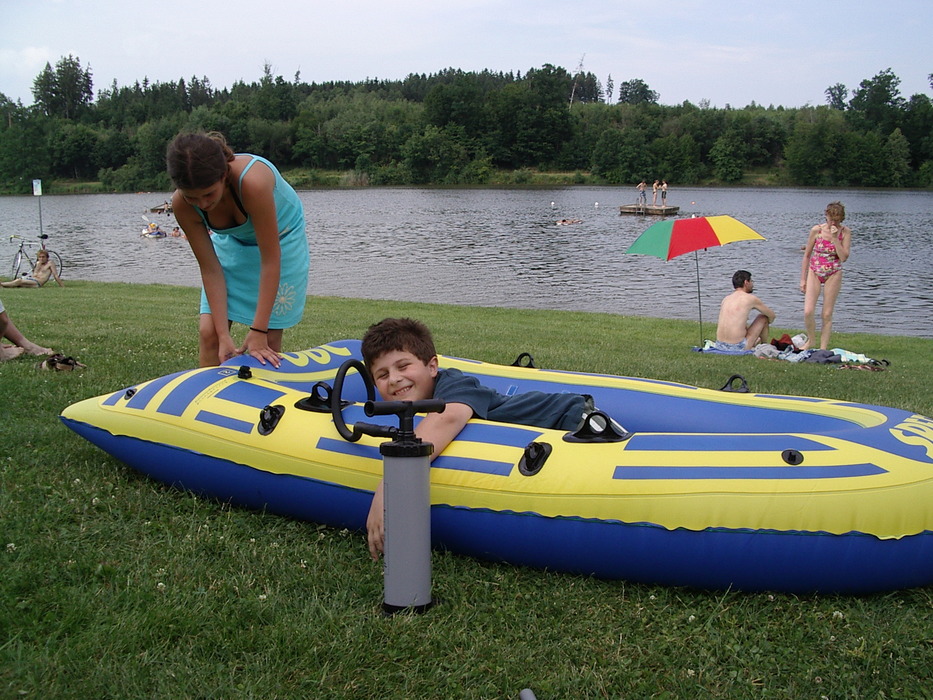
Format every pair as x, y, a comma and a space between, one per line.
696, 259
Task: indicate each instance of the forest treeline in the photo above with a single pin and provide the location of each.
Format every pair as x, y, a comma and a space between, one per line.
459, 128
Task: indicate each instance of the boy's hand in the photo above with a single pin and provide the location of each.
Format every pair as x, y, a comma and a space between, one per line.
375, 524
437, 428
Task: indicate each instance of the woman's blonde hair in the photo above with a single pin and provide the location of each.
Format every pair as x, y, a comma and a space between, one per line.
836, 212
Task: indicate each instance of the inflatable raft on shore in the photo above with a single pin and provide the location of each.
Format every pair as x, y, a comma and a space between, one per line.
710, 489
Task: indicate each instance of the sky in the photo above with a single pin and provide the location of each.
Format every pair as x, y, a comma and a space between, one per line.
724, 52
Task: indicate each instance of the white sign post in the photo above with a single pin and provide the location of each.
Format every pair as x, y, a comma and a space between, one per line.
37, 192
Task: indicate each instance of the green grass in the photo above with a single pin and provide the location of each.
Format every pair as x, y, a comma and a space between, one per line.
112, 585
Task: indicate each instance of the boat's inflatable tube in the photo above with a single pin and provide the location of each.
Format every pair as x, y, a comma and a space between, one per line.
713, 490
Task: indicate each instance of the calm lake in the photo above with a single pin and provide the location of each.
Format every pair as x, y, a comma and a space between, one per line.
501, 247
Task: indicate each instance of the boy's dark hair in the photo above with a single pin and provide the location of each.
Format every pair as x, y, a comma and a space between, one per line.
404, 334
196, 161
740, 278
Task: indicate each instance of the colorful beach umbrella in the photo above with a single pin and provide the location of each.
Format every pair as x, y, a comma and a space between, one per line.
668, 239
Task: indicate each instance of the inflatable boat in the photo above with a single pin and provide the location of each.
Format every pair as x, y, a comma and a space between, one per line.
705, 488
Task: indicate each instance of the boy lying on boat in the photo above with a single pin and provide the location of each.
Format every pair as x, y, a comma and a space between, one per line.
399, 354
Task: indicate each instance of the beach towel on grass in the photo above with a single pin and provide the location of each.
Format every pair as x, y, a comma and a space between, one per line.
717, 348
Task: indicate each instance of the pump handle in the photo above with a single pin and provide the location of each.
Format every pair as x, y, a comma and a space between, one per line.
388, 408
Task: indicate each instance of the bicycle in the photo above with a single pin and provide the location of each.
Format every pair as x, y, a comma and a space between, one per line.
22, 254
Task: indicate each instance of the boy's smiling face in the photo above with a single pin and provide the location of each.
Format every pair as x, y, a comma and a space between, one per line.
401, 376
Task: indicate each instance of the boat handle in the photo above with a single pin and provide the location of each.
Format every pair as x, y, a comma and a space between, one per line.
730, 384
336, 404
524, 360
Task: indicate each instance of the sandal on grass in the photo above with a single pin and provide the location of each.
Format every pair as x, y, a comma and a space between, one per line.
60, 363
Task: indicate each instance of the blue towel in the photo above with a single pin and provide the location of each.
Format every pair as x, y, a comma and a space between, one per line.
715, 347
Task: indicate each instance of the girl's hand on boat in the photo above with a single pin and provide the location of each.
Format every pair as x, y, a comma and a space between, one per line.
227, 350
259, 348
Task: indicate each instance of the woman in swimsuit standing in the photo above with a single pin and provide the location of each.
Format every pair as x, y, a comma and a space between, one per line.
255, 267
827, 248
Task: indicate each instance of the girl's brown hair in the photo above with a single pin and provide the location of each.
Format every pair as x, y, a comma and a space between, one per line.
198, 160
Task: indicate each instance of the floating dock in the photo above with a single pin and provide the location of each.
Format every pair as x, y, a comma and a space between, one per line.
165, 208
648, 210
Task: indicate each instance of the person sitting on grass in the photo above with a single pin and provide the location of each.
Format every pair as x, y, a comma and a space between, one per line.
734, 331
399, 354
41, 273
20, 342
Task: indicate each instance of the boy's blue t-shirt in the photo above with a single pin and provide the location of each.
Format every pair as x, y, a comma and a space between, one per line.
559, 411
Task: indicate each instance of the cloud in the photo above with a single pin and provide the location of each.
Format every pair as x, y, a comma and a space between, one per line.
21, 66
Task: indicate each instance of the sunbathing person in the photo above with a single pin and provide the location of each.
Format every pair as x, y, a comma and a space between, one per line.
41, 273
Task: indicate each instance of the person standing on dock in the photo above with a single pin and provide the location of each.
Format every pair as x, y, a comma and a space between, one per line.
642, 195
654, 193
663, 193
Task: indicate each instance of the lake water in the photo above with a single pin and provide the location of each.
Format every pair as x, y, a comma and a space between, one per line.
501, 247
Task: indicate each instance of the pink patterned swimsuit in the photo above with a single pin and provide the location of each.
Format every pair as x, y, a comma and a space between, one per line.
824, 261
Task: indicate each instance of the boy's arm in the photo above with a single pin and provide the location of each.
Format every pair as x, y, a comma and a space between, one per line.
439, 429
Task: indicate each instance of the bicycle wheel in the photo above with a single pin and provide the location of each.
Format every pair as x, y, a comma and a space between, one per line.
17, 261
57, 259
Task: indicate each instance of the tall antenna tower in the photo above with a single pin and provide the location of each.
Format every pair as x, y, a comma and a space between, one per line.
576, 76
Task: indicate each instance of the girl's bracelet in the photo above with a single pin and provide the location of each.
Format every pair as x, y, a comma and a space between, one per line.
258, 330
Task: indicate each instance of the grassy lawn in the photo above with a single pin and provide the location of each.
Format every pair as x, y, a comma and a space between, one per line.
113, 585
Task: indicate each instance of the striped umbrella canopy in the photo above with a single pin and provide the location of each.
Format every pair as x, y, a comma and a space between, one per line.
668, 239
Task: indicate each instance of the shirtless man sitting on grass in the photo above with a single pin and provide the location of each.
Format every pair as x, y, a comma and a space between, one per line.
734, 328
43, 271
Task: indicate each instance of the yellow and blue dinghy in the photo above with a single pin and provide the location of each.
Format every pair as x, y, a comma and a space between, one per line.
712, 490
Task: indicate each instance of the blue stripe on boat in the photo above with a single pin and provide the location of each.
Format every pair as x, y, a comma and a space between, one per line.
143, 396
248, 394
478, 466
784, 473
220, 421
114, 397
181, 396
354, 449
726, 443
499, 434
